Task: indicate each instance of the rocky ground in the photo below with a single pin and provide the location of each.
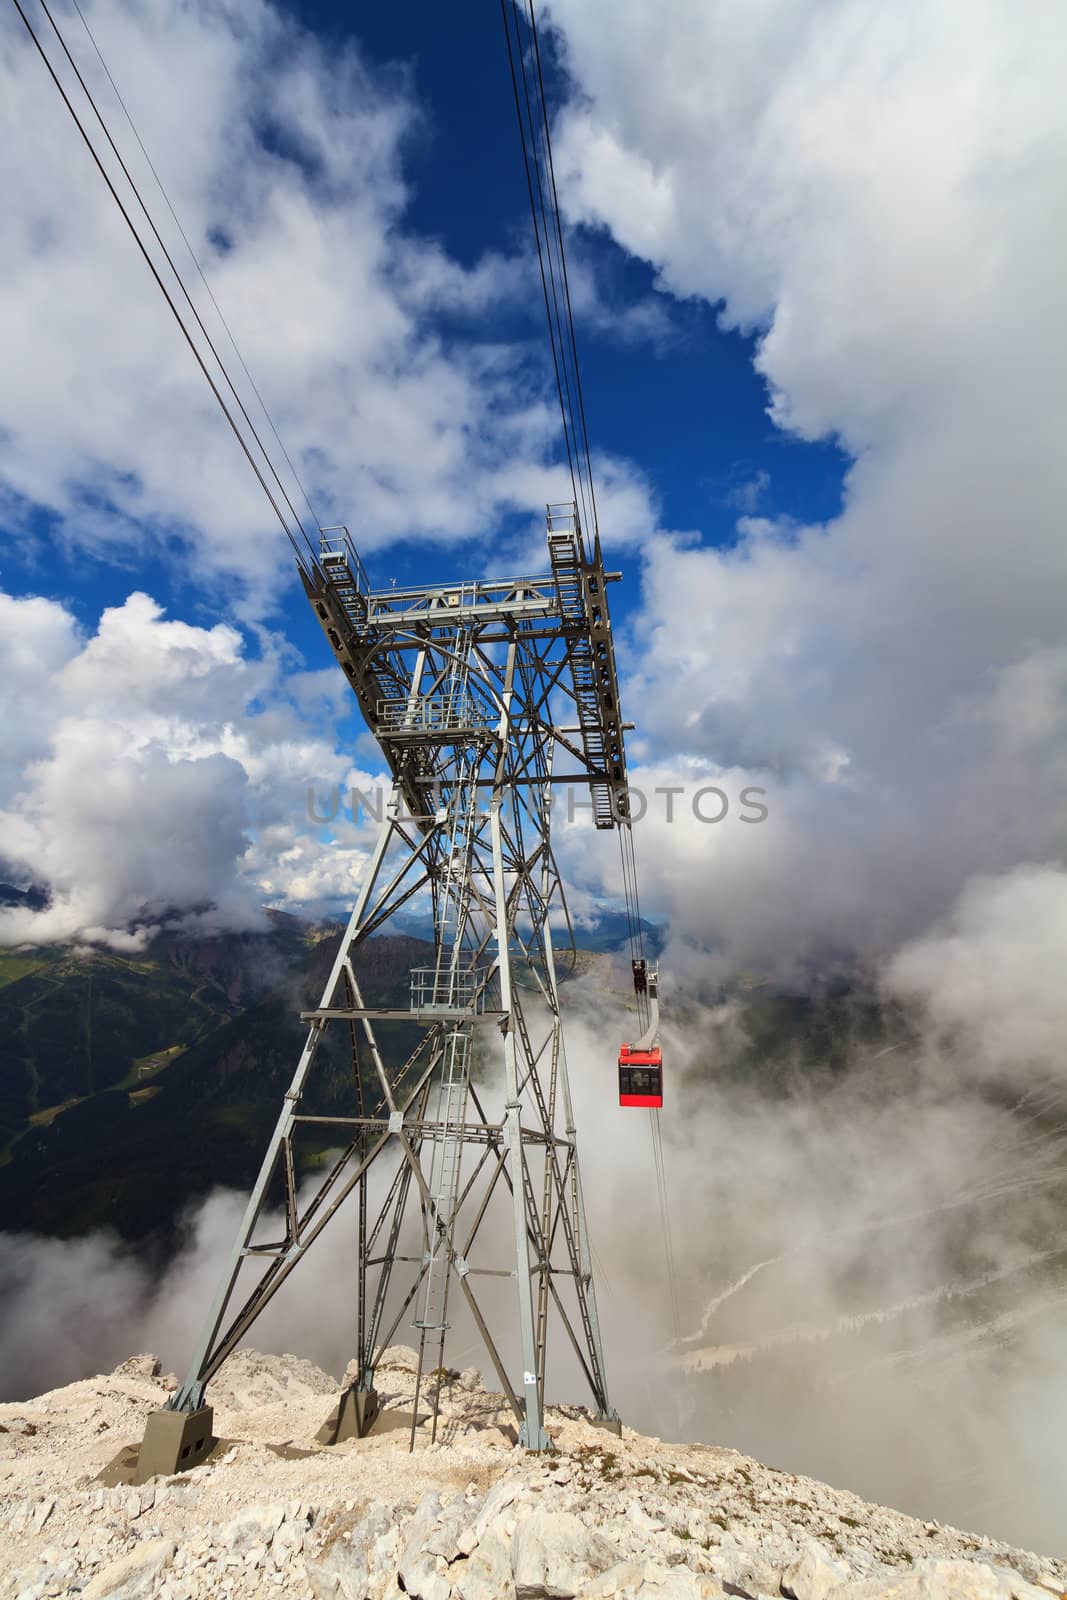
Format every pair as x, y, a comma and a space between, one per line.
467, 1518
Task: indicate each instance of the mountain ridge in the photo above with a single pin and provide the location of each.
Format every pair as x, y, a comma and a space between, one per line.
468, 1517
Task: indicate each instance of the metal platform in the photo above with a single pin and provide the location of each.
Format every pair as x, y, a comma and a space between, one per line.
562, 623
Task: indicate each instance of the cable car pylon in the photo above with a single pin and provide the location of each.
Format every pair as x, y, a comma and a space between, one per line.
486, 697
493, 691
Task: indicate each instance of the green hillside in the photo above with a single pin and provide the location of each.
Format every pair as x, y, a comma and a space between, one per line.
131, 1086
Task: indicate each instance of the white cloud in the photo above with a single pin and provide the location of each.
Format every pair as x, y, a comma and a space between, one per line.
989, 978
877, 191
283, 158
154, 791
896, 679
747, 494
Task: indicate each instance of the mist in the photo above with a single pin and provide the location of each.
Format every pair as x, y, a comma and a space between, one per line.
870, 1245
869, 1250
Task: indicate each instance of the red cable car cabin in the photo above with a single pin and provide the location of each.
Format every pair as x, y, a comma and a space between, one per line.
640, 1077
641, 1064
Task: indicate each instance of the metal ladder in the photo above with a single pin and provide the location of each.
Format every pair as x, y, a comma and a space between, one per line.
450, 986
453, 914
341, 564
564, 545
443, 1181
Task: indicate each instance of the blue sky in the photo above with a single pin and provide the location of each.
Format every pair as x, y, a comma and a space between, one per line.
684, 404
797, 255
869, 199
690, 409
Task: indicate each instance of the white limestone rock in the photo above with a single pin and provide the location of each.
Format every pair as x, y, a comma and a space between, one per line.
360, 1565
143, 1367
421, 1572
287, 1542
487, 1574
256, 1525
42, 1513
132, 1576
934, 1579
647, 1580
746, 1570
553, 1555
813, 1574
497, 1500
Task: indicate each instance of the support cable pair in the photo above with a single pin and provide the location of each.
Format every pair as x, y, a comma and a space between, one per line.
528, 86
256, 453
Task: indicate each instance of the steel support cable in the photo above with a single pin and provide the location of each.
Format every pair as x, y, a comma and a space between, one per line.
170, 260
558, 276
632, 904
665, 1218
538, 123
537, 237
132, 226
543, 229
563, 261
566, 338
196, 263
564, 342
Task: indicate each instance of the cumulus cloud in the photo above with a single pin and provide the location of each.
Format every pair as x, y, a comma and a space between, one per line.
988, 979
284, 160
875, 195
873, 1279
873, 1275
163, 777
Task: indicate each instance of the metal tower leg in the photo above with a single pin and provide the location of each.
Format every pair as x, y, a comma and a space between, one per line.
190, 1396
585, 1283
532, 1434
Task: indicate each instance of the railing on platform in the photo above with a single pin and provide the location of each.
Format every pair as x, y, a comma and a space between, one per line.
449, 989
563, 518
336, 551
435, 714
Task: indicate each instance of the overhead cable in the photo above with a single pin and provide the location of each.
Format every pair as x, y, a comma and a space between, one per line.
175, 311
531, 106
196, 263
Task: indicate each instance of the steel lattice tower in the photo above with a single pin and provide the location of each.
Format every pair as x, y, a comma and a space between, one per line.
484, 697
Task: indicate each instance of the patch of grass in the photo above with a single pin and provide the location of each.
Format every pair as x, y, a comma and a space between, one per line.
481, 1476
442, 1375
45, 1118
606, 1462
145, 1068
15, 966
851, 1522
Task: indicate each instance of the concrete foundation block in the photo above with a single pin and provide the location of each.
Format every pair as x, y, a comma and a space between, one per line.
174, 1441
353, 1418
